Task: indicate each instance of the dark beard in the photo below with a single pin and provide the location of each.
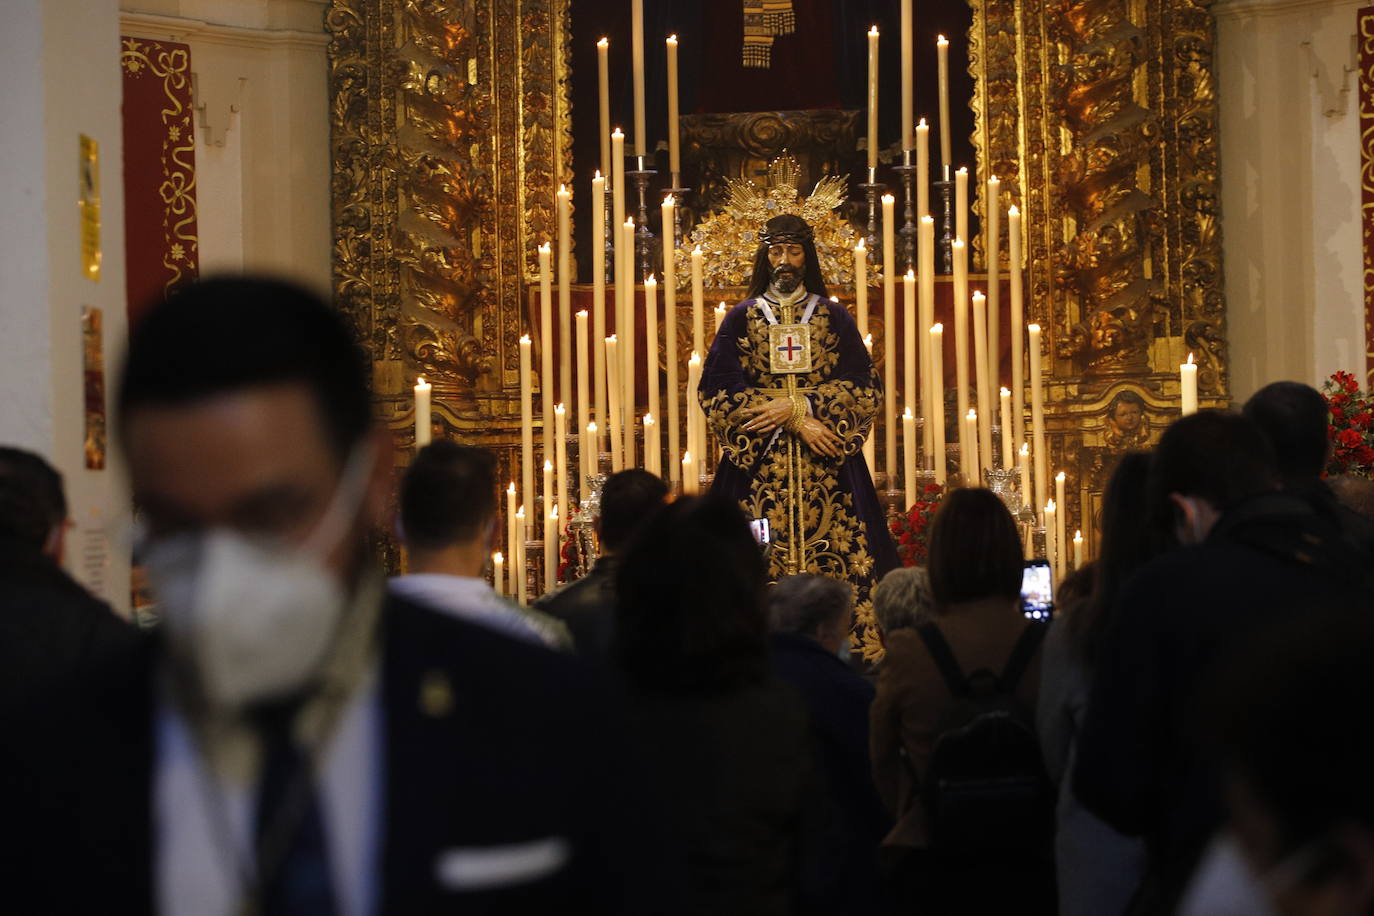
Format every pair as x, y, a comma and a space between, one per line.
786, 278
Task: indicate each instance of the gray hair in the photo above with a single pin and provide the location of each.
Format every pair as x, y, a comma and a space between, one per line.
803, 604
903, 599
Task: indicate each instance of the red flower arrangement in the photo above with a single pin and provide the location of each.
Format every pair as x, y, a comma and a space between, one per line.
912, 530
1349, 421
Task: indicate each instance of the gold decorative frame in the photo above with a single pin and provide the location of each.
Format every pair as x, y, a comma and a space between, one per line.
450, 131
1100, 117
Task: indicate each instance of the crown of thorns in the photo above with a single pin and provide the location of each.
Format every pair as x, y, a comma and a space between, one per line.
795, 231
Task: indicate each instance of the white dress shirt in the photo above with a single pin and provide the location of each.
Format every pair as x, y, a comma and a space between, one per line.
471, 599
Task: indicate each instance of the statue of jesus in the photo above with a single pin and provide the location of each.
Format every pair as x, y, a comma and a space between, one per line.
790, 392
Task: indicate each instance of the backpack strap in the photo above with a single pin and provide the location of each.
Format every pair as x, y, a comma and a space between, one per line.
943, 657
1021, 655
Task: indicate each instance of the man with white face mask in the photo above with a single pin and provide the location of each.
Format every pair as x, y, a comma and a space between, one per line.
298, 742
1246, 555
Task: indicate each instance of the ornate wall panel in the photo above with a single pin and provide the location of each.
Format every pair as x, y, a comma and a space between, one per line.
450, 133
1100, 118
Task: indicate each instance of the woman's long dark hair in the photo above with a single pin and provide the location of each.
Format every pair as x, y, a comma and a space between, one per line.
691, 617
1128, 542
763, 272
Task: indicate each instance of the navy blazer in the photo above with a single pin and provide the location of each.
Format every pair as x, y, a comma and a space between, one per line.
531, 748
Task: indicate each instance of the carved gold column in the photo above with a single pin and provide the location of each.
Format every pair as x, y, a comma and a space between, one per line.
1100, 117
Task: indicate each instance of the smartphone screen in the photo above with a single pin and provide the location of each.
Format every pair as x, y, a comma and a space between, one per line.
759, 528
1037, 590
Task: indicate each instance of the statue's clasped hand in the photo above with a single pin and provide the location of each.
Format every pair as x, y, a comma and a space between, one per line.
821, 438
768, 416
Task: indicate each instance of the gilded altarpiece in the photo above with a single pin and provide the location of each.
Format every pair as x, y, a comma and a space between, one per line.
1100, 117
450, 132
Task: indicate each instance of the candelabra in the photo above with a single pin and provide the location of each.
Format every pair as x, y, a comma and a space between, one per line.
996, 434
608, 224
679, 195
871, 242
946, 189
908, 230
644, 236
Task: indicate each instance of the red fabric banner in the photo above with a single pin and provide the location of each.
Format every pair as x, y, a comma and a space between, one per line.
161, 249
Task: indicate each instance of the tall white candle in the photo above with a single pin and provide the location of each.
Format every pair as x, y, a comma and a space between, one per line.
521, 579
560, 451
586, 448
968, 450
1023, 465
992, 252
599, 300
908, 84
689, 474
551, 549
1004, 398
937, 398
720, 312
1017, 317
942, 55
613, 392
890, 396
651, 375
594, 436
1078, 549
547, 382
926, 253
922, 169
653, 458
619, 253
1038, 453
980, 365
909, 456
873, 98
637, 59
1187, 378
512, 540
549, 491
565, 278
698, 303
627, 351
670, 336
961, 367
603, 48
498, 573
526, 424
861, 287
696, 421
910, 393
423, 427
674, 156
1051, 548
961, 203
1060, 518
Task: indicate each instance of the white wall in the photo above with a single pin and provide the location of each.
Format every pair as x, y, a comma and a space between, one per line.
1290, 188
260, 76
59, 64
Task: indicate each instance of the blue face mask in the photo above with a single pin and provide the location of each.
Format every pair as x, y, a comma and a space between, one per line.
843, 653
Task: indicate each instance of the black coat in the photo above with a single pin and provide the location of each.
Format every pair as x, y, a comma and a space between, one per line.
587, 607
531, 747
1141, 766
838, 701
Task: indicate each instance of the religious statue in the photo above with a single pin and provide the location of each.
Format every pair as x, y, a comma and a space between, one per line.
791, 393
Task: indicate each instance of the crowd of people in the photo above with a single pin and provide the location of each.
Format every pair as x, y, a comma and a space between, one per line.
671, 733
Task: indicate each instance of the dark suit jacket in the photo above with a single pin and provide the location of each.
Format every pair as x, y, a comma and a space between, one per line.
587, 606
531, 748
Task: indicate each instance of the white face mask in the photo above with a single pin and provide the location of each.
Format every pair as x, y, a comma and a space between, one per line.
251, 619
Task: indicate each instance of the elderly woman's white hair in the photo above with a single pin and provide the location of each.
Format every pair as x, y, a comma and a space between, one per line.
902, 599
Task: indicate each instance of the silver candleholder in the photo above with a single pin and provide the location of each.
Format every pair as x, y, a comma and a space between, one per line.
645, 240
946, 189
908, 230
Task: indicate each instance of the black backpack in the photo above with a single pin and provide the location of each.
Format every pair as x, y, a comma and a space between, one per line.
985, 788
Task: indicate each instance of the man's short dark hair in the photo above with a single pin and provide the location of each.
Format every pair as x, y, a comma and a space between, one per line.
1218, 456
975, 549
32, 502
448, 495
228, 334
1293, 417
803, 604
628, 499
